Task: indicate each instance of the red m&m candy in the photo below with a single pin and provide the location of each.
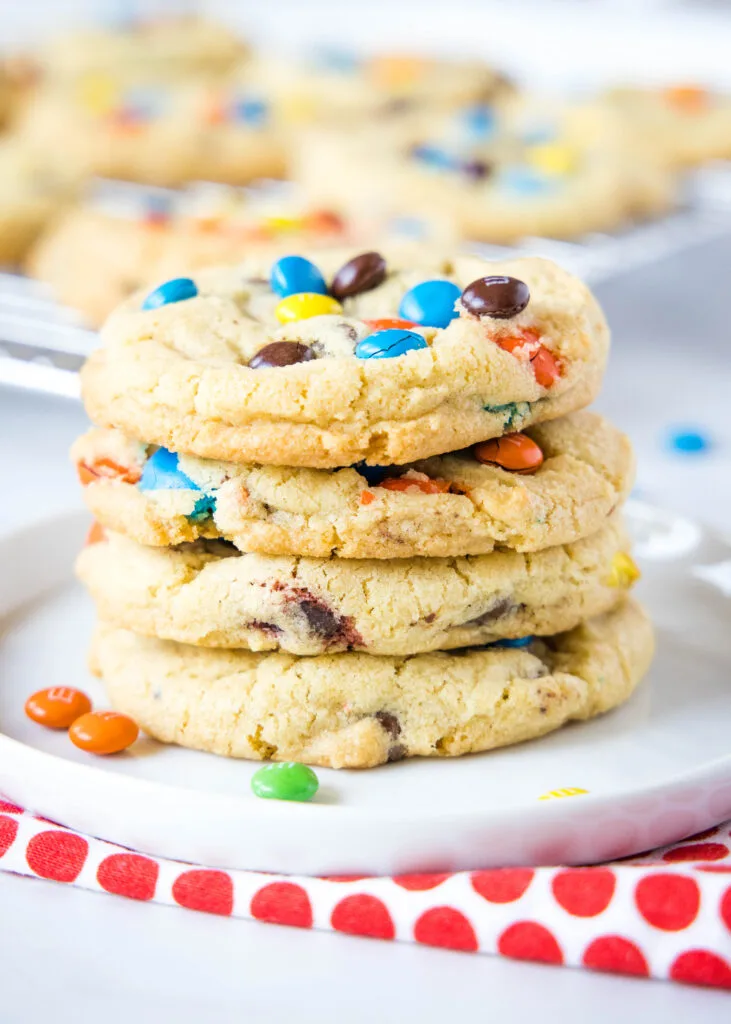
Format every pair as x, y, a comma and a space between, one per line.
103, 732
58, 707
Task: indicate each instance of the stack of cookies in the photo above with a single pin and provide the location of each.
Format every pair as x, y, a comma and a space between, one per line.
349, 511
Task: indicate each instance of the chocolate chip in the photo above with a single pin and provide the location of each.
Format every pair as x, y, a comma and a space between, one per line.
322, 620
270, 628
361, 274
281, 353
397, 752
478, 170
389, 722
499, 297
503, 606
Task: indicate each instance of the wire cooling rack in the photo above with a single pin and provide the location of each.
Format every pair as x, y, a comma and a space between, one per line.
43, 344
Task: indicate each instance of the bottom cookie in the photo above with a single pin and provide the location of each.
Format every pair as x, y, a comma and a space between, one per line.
358, 710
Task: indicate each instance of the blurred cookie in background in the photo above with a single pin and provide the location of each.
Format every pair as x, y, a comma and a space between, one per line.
498, 172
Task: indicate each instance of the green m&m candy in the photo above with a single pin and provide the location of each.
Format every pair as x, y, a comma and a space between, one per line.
285, 781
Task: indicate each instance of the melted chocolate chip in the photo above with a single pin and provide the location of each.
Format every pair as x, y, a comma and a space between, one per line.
361, 274
499, 297
270, 628
477, 170
322, 620
503, 606
389, 722
397, 752
281, 353
335, 630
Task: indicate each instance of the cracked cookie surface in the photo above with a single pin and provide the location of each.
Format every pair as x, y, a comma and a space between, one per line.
358, 711
209, 594
179, 375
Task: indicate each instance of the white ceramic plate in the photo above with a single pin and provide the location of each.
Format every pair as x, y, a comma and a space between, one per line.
655, 770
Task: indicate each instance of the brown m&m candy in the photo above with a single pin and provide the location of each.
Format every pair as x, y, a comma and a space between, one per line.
361, 274
514, 452
282, 353
498, 297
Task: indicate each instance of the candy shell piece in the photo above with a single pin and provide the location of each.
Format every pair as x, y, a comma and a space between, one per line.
177, 290
162, 473
103, 732
623, 572
546, 367
293, 275
57, 707
521, 641
431, 303
287, 780
373, 474
515, 452
106, 469
305, 305
389, 344
96, 535
409, 483
386, 322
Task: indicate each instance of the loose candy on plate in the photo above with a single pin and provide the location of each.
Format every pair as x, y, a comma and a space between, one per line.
103, 732
688, 441
431, 303
57, 707
361, 274
295, 275
305, 305
286, 780
177, 290
389, 343
515, 452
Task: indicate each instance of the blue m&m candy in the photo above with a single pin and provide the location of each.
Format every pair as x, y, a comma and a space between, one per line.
432, 156
373, 474
479, 121
524, 181
521, 641
249, 111
162, 472
177, 290
688, 441
293, 275
430, 303
388, 344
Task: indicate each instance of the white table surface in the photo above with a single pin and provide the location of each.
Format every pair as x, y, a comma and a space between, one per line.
69, 954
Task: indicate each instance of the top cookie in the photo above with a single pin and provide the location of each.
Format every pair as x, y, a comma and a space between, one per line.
408, 356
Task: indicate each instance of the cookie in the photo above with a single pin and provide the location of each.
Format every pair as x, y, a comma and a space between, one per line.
447, 505
684, 125
32, 193
208, 593
359, 711
498, 174
158, 49
490, 348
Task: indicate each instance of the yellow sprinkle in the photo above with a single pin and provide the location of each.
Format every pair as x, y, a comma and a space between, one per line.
305, 305
552, 158
98, 93
624, 571
283, 224
555, 794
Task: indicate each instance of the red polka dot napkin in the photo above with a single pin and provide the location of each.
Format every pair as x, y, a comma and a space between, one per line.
664, 915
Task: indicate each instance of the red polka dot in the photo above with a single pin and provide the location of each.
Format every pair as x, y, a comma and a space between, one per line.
10, 808
717, 869
503, 885
699, 967
699, 851
282, 903
613, 953
211, 891
584, 892
8, 832
527, 940
726, 909
670, 902
446, 927
128, 874
57, 855
363, 915
419, 883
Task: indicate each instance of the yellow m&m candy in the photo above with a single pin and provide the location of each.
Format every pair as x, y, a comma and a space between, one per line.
283, 224
98, 94
624, 571
552, 158
305, 305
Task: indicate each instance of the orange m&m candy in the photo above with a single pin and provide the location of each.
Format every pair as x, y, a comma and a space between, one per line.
103, 732
389, 323
406, 483
107, 469
58, 707
546, 367
96, 534
516, 452
689, 98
